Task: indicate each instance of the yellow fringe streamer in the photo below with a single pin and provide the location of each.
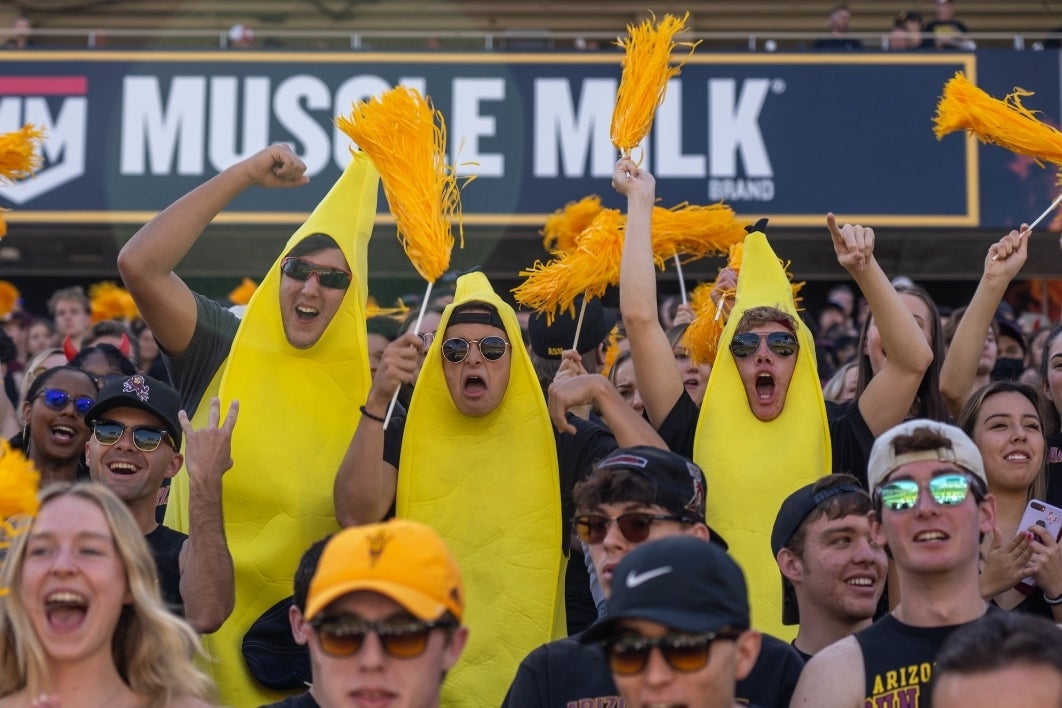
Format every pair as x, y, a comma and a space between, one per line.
405, 137
241, 294
562, 228
612, 350
8, 297
19, 481
684, 230
646, 69
20, 157
1006, 123
112, 302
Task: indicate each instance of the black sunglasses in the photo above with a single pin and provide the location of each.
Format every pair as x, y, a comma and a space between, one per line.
635, 526
299, 269
57, 400
456, 349
945, 489
403, 639
146, 438
629, 655
781, 343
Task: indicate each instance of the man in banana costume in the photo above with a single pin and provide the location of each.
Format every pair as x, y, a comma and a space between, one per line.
297, 362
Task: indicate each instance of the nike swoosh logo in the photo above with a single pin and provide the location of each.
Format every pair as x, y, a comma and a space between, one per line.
634, 579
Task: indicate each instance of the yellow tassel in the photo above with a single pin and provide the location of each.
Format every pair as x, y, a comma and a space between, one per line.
563, 226
590, 269
612, 350
20, 156
643, 83
8, 297
405, 137
19, 480
112, 302
1006, 123
241, 294
20, 153
693, 232
702, 336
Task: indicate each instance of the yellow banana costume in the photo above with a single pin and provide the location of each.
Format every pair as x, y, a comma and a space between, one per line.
490, 486
298, 410
751, 466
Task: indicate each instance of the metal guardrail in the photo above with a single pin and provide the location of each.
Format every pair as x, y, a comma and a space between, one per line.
523, 39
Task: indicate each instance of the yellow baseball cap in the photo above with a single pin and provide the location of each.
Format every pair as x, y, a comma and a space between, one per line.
404, 560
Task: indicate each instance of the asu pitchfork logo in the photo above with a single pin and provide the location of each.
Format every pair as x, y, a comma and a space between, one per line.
59, 104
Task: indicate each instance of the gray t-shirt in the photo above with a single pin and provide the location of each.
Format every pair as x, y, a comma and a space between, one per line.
192, 371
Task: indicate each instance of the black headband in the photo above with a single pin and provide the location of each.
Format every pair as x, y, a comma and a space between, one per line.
486, 318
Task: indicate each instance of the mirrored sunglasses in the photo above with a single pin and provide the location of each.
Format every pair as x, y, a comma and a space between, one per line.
404, 639
456, 349
592, 528
781, 343
945, 489
146, 438
629, 655
57, 400
301, 270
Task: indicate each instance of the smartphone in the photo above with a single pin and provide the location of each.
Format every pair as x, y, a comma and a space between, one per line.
1038, 513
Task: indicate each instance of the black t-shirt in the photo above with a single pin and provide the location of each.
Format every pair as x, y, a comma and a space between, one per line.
898, 660
850, 439
680, 426
567, 673
166, 547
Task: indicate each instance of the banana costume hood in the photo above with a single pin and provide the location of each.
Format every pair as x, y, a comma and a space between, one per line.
751, 465
490, 486
298, 410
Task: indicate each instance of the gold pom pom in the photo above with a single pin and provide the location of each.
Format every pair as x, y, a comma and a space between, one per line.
19, 480
241, 294
20, 157
405, 137
110, 301
643, 83
8, 297
562, 228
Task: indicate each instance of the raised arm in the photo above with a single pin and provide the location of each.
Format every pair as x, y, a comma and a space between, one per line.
625, 424
365, 484
207, 584
148, 260
891, 392
1005, 258
659, 380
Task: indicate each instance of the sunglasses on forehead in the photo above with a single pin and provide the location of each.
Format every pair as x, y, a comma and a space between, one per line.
592, 528
781, 343
629, 655
301, 270
146, 438
455, 349
402, 639
945, 489
57, 399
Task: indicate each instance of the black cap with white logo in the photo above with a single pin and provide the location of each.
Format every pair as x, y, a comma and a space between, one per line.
682, 582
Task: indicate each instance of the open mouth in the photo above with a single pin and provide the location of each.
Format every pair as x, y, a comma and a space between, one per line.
764, 387
930, 536
474, 386
122, 467
63, 433
65, 610
1018, 457
862, 581
305, 313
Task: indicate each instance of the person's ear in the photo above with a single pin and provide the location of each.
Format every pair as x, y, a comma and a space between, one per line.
300, 628
877, 533
454, 647
987, 509
790, 565
748, 650
700, 531
175, 466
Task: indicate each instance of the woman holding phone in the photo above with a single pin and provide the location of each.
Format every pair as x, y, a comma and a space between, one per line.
1006, 421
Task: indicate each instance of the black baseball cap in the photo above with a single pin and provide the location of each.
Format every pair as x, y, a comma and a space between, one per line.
549, 341
139, 391
681, 582
679, 484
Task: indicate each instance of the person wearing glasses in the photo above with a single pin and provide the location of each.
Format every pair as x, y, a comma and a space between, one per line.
634, 497
477, 458
55, 432
303, 333
931, 509
136, 437
678, 629
384, 614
